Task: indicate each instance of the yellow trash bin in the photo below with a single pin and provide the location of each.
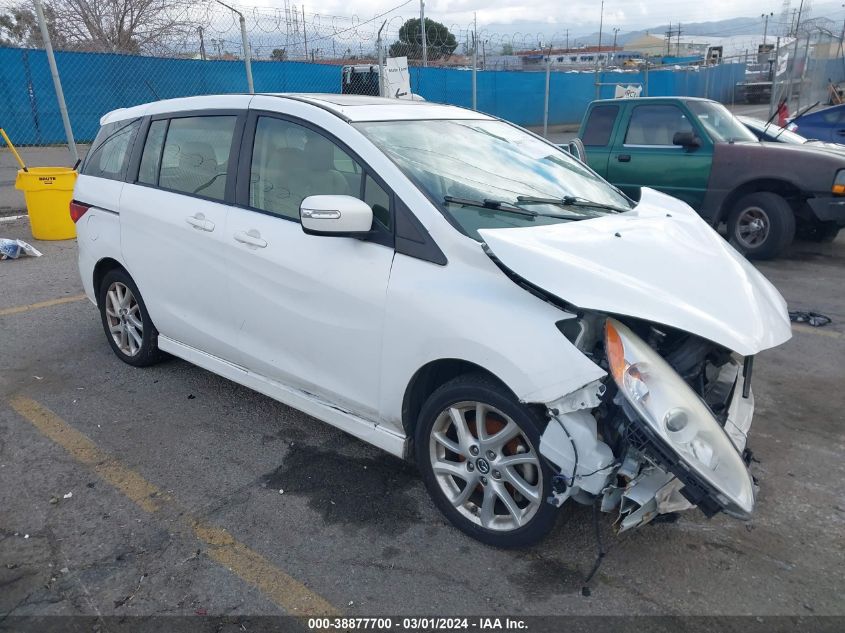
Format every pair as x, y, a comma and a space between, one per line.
48, 192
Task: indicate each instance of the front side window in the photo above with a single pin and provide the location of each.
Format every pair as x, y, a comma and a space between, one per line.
195, 158
656, 125
291, 162
109, 155
489, 174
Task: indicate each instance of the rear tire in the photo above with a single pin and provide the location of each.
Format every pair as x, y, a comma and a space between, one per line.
126, 322
761, 225
492, 485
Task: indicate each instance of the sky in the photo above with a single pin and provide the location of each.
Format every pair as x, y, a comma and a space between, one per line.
577, 15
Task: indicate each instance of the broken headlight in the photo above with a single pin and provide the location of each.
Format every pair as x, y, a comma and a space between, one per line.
678, 419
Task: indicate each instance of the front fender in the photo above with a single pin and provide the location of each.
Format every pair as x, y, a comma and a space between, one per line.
476, 314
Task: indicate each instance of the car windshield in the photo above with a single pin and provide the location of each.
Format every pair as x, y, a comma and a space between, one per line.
719, 122
490, 174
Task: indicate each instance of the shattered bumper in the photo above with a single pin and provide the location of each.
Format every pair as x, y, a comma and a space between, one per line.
640, 489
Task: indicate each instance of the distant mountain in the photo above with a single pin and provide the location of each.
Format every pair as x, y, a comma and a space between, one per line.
719, 28
531, 33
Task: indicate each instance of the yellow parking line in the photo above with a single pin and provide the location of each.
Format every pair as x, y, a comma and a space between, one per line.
806, 329
40, 304
284, 590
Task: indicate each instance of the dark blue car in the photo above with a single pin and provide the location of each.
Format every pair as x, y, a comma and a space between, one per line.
823, 125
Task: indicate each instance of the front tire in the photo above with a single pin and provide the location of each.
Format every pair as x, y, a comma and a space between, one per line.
761, 225
488, 479
126, 322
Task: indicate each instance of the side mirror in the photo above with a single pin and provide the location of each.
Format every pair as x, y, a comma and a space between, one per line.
339, 216
576, 149
687, 140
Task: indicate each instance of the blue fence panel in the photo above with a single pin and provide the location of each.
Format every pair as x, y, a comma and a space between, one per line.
96, 83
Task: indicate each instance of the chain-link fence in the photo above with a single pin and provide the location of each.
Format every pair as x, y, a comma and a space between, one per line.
167, 49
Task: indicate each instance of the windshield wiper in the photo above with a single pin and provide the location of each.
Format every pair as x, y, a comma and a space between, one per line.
571, 201
489, 203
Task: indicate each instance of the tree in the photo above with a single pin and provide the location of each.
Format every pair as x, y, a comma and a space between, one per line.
19, 27
440, 42
279, 54
127, 26
507, 49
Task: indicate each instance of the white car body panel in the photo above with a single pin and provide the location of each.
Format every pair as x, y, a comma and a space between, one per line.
309, 309
192, 305
99, 229
471, 311
670, 268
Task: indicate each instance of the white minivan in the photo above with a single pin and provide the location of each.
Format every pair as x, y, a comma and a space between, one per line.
442, 284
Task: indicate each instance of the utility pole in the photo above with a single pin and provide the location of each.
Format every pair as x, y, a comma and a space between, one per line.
795, 53
202, 44
304, 32
567, 38
842, 37
423, 34
766, 17
380, 55
679, 39
546, 100
615, 33
474, 61
601, 24
57, 83
245, 44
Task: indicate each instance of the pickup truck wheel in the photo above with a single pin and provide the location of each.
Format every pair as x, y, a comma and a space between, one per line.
761, 225
477, 448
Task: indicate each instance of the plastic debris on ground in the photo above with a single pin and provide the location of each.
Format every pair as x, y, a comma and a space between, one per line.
813, 319
12, 249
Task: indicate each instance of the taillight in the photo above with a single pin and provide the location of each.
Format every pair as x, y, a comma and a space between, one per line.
77, 210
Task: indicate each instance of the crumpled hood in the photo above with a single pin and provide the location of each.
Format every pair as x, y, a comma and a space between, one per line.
660, 262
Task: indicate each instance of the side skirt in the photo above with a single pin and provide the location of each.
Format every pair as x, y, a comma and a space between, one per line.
366, 430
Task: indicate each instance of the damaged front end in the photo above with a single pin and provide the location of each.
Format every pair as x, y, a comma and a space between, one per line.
664, 432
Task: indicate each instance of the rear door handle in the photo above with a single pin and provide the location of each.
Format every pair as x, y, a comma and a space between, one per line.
251, 238
624, 158
198, 221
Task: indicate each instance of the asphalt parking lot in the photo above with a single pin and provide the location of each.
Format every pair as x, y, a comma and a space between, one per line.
170, 490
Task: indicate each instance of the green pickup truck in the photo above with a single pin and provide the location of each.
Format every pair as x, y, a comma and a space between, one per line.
697, 151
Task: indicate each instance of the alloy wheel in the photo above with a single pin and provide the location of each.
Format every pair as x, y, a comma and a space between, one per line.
486, 466
752, 227
123, 313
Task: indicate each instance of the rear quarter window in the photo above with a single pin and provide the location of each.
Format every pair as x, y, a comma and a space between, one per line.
600, 125
109, 154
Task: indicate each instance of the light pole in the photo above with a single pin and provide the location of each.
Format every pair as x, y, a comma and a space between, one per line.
615, 33
766, 17
601, 24
842, 37
245, 44
422, 33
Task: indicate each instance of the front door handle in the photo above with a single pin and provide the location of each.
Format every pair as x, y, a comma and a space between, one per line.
250, 238
624, 158
841, 132
198, 221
